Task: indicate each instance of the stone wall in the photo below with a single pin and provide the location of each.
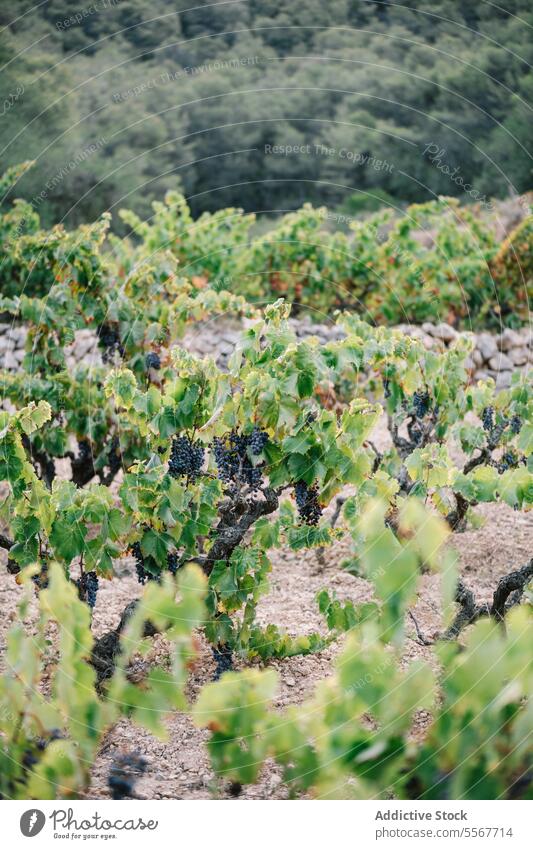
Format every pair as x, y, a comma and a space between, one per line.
13, 342
495, 355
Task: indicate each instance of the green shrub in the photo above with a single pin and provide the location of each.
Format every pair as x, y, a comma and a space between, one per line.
512, 273
52, 718
353, 738
437, 261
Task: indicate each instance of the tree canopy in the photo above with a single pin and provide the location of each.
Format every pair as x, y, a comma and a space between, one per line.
264, 104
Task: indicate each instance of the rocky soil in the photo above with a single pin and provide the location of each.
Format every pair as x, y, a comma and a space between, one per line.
495, 355
178, 767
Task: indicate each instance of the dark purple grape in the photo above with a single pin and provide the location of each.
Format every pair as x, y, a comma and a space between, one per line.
173, 563
88, 588
224, 660
84, 450
122, 775
309, 509
114, 456
109, 340
509, 460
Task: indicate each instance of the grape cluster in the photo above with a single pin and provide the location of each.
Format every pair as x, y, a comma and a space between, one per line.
186, 457
233, 463
421, 404
487, 418
515, 424
496, 434
152, 361
142, 576
173, 563
88, 587
309, 509
109, 340
31, 756
223, 657
258, 439
122, 775
509, 460
84, 450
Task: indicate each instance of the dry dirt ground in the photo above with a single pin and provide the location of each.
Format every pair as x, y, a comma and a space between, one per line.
178, 768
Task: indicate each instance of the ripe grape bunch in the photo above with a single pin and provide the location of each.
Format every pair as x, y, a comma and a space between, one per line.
142, 576
88, 586
109, 340
114, 457
495, 431
487, 418
84, 450
257, 441
152, 361
309, 509
91, 580
233, 461
173, 563
122, 775
421, 404
40, 579
32, 756
186, 458
224, 660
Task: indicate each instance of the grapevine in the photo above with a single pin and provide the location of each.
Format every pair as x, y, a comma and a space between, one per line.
234, 466
109, 341
152, 360
173, 563
205, 469
223, 658
88, 587
123, 773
